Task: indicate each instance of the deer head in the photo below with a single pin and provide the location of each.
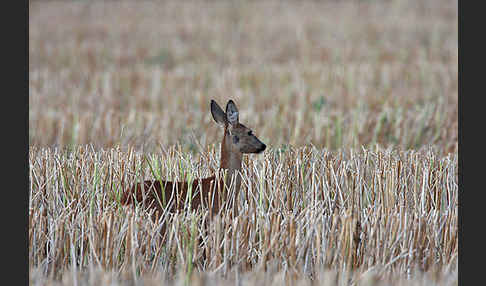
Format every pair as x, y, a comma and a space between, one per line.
238, 137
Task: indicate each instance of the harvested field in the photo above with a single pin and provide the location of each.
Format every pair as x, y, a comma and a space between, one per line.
356, 100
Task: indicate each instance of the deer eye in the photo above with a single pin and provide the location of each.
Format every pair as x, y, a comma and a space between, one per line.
250, 133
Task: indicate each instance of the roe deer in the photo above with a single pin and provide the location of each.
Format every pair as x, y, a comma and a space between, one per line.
170, 196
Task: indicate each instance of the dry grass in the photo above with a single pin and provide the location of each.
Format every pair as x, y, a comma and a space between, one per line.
390, 213
332, 75
116, 85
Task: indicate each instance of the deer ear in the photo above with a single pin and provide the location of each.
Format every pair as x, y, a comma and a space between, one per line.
231, 112
218, 114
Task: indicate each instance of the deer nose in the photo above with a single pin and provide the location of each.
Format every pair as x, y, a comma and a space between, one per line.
262, 148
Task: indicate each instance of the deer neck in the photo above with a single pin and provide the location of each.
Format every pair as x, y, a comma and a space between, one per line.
231, 162
230, 158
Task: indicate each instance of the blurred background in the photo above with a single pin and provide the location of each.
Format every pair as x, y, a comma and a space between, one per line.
333, 74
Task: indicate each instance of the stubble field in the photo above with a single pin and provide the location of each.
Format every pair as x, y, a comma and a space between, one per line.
356, 101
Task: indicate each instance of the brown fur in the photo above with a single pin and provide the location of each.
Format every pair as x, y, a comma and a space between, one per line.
205, 192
